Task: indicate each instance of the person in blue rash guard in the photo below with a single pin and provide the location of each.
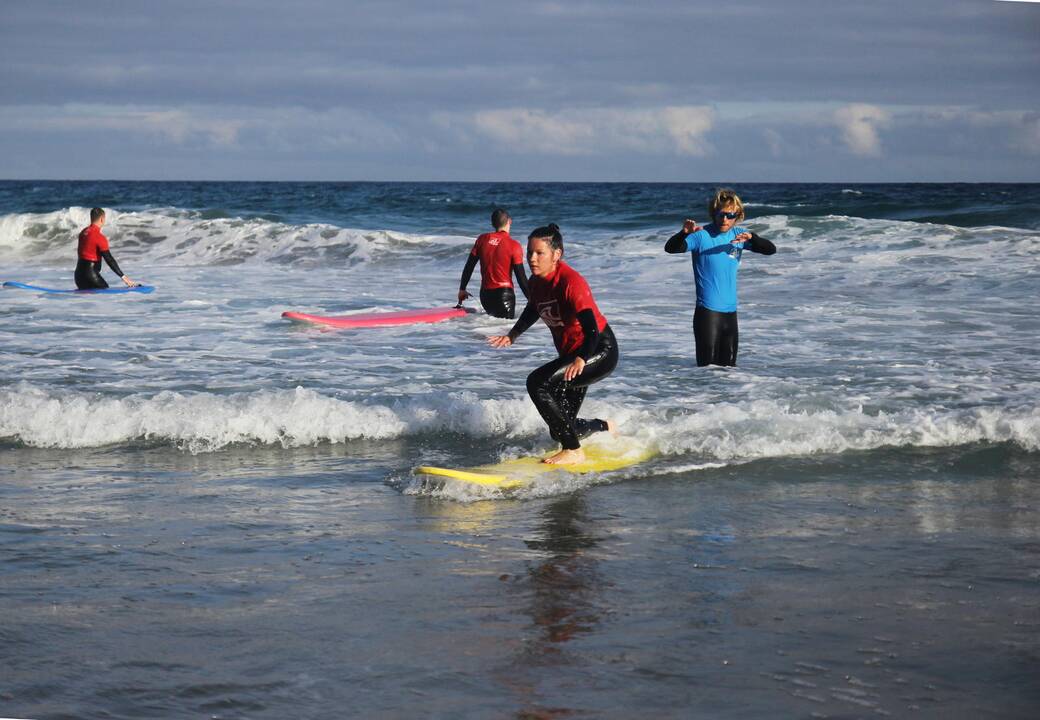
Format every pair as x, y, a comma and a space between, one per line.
716, 251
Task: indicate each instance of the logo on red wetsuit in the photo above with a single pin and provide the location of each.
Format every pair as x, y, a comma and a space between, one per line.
549, 311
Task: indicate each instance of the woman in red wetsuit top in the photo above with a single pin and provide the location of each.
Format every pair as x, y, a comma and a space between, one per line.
93, 246
586, 344
498, 254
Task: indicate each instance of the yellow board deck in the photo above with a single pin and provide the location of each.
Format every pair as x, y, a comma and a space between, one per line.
516, 472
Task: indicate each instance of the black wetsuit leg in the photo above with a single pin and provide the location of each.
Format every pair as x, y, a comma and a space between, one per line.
558, 401
715, 335
500, 302
88, 275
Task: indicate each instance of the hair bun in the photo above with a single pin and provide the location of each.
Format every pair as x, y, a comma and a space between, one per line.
554, 227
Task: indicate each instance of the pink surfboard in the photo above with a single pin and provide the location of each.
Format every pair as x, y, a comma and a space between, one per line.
380, 319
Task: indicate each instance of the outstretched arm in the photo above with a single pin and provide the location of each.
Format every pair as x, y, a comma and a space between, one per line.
521, 277
467, 273
759, 244
677, 243
526, 320
111, 262
107, 255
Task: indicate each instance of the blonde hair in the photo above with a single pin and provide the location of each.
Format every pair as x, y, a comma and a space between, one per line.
725, 197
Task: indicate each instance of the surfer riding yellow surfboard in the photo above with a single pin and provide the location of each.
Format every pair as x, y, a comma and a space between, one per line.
588, 351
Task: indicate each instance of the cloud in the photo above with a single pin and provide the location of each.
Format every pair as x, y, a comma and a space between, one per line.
1015, 129
226, 127
294, 129
778, 147
859, 125
179, 125
1031, 133
747, 142
176, 125
679, 129
535, 130
687, 126
1022, 128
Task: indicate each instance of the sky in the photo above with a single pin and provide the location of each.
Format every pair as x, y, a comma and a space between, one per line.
598, 90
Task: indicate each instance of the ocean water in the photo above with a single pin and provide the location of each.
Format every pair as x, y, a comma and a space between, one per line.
206, 510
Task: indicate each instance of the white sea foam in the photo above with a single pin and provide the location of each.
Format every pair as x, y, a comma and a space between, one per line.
761, 429
735, 435
205, 422
293, 418
41, 235
171, 235
857, 335
186, 237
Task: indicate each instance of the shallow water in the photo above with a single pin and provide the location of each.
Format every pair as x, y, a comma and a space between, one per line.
274, 583
206, 510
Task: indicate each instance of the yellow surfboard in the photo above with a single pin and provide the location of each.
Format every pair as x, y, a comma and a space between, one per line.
516, 472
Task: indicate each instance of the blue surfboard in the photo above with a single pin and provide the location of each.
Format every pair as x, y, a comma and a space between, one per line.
106, 291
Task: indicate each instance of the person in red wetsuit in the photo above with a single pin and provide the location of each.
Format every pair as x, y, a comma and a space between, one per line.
499, 254
586, 345
93, 246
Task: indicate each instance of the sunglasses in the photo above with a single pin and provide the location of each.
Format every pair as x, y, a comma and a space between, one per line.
728, 215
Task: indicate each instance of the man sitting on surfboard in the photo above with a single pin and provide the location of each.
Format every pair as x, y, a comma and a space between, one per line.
498, 254
93, 246
586, 344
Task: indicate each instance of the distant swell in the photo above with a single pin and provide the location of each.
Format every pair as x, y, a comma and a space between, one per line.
173, 236
188, 237
205, 422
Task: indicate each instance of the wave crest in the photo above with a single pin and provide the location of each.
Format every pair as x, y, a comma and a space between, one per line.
301, 417
192, 238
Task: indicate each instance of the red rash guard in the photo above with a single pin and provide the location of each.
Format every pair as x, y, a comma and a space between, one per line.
92, 243
498, 254
559, 297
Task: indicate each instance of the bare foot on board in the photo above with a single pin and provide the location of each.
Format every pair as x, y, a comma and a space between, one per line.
612, 428
566, 457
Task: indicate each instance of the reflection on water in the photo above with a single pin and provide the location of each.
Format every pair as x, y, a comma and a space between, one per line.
560, 595
563, 585
883, 583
